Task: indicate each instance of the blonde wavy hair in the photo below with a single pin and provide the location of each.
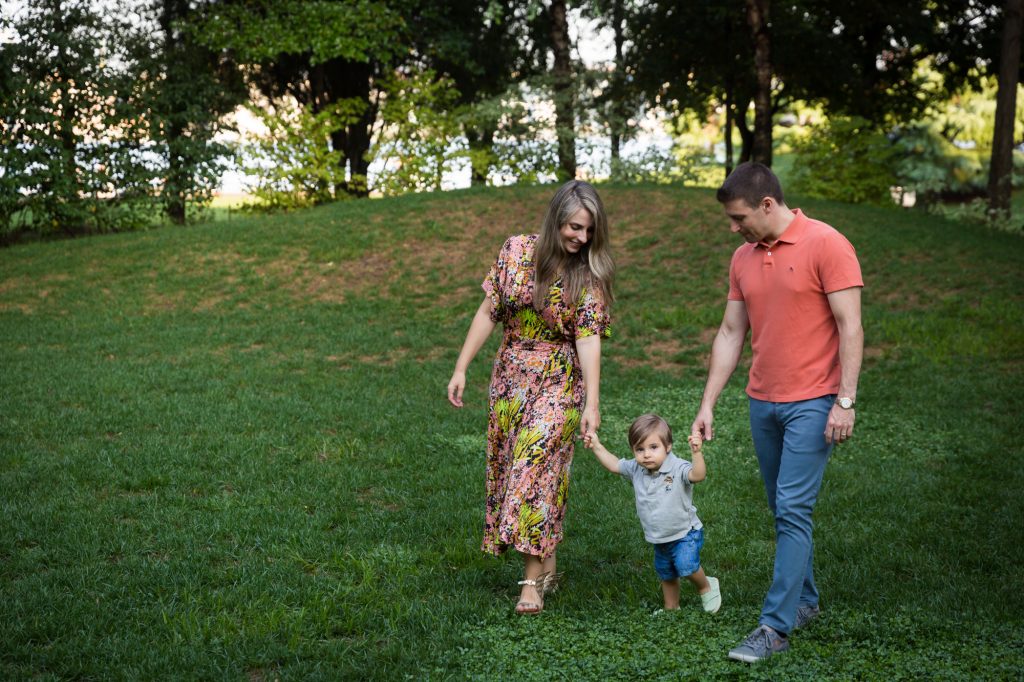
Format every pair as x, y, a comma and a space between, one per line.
591, 267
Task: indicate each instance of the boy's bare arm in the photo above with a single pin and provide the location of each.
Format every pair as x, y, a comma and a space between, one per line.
699, 470
607, 459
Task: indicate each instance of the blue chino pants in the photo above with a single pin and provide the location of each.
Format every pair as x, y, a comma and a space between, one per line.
789, 439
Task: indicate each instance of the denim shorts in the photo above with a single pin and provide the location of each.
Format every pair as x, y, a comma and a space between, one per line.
679, 558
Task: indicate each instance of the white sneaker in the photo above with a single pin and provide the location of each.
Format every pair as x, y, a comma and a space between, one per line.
712, 599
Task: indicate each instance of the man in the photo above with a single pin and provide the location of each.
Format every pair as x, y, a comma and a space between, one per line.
796, 285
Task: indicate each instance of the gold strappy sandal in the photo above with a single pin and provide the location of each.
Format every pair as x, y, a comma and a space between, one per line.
529, 608
551, 581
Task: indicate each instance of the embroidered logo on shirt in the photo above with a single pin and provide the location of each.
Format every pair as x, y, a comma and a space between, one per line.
668, 483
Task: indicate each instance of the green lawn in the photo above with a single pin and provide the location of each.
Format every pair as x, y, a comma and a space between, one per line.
225, 453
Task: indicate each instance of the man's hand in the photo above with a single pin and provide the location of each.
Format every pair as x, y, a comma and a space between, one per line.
839, 427
702, 424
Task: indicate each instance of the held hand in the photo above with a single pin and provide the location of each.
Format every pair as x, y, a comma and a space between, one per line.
455, 388
839, 427
591, 440
591, 420
696, 441
702, 424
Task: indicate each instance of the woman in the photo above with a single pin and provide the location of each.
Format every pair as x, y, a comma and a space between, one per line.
551, 292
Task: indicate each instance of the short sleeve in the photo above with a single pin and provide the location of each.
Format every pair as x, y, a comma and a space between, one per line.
838, 265
592, 315
627, 467
735, 294
685, 466
496, 279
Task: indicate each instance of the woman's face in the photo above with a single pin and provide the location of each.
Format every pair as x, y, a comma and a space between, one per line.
578, 231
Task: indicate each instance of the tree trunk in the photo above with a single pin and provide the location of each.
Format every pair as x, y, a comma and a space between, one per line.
730, 97
757, 18
345, 79
615, 123
481, 145
172, 11
71, 181
564, 96
174, 197
1001, 166
728, 129
746, 134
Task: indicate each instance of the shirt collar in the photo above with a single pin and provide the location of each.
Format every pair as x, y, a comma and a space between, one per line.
793, 232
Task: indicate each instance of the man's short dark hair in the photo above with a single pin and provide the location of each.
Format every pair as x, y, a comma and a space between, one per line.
751, 182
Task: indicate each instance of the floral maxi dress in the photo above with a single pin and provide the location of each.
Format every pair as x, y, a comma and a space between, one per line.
536, 402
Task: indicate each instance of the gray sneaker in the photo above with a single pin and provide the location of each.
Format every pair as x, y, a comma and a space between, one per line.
759, 645
805, 614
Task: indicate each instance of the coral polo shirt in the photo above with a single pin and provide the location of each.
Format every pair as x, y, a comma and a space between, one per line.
784, 288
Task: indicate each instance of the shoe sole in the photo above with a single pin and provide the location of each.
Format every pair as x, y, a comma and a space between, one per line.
746, 658
719, 604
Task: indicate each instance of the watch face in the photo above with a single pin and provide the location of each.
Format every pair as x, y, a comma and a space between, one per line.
845, 403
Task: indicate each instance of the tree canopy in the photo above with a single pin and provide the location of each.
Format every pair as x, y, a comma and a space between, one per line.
112, 109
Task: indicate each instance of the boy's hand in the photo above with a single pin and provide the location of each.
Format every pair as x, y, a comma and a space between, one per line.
590, 440
696, 441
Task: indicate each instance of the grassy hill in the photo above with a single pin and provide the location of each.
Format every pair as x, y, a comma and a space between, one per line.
225, 452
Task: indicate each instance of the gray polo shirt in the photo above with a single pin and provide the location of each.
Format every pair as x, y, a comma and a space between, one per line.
664, 498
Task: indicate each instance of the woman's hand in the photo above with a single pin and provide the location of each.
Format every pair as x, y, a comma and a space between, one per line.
590, 421
479, 329
455, 388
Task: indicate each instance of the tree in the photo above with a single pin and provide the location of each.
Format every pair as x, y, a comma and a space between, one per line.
758, 19
691, 56
563, 92
109, 112
485, 47
1001, 168
183, 90
67, 165
321, 53
855, 59
619, 98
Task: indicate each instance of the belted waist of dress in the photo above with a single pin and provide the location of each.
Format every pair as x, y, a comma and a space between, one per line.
541, 346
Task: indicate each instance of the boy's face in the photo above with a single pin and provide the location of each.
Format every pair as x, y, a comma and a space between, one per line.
651, 452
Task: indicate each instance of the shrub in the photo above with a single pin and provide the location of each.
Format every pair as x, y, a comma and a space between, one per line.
418, 142
293, 163
845, 159
935, 169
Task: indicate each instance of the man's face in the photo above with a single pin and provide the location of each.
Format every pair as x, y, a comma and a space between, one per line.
750, 222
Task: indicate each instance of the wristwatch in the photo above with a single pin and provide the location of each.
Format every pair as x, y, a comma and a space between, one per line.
844, 402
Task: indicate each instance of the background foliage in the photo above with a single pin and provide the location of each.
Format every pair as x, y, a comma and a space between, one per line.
115, 113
